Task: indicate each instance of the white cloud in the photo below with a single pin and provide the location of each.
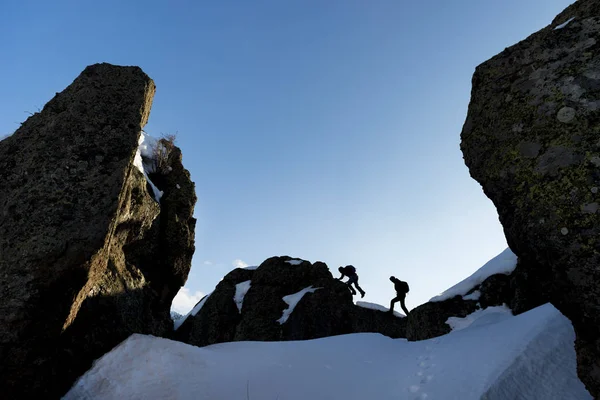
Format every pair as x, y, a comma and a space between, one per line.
239, 263
208, 262
184, 301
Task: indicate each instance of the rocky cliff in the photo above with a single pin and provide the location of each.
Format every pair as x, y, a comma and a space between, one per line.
283, 299
531, 139
87, 253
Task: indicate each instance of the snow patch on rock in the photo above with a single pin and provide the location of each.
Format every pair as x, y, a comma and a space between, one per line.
292, 300
473, 296
240, 291
145, 160
564, 23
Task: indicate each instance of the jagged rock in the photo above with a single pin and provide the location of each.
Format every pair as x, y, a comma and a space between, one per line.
527, 290
326, 311
87, 256
495, 291
429, 320
531, 140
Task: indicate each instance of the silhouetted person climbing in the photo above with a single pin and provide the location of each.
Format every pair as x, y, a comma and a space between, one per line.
350, 272
401, 290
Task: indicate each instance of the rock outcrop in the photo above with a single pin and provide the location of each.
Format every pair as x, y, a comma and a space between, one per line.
87, 255
531, 139
325, 309
520, 291
429, 320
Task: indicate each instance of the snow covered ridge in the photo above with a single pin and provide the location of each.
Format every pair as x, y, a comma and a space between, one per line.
503, 263
145, 159
527, 357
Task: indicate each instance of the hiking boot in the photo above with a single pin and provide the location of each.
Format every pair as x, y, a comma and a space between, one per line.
362, 294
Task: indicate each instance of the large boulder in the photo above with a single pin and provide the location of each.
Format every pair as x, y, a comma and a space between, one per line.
249, 305
87, 254
531, 139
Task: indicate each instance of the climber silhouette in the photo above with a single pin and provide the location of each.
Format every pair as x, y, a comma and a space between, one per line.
350, 272
401, 290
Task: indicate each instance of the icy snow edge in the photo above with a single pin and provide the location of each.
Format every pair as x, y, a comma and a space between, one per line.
503, 263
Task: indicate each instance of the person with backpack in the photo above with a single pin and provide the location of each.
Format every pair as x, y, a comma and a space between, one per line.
401, 290
350, 272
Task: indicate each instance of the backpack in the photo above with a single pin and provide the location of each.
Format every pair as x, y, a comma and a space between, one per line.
350, 269
405, 286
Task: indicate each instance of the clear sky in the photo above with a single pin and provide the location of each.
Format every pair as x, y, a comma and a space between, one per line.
327, 130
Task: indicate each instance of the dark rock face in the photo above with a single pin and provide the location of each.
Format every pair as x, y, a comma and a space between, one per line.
531, 140
325, 312
429, 320
87, 256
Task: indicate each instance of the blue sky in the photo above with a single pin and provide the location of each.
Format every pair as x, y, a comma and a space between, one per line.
327, 130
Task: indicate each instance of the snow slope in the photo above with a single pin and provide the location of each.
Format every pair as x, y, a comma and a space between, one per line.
503, 263
529, 356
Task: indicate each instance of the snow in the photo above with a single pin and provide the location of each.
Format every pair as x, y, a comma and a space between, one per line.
503, 263
473, 296
251, 268
146, 149
564, 23
292, 300
377, 307
193, 312
240, 291
527, 357
295, 262
480, 317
